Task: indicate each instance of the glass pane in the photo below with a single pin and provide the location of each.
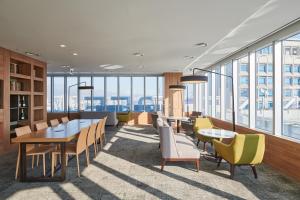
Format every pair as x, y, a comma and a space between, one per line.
202, 99
291, 88
160, 101
49, 94
218, 92
111, 94
73, 93
264, 88
228, 92
58, 94
125, 94
98, 98
209, 95
138, 94
243, 91
188, 98
151, 94
85, 95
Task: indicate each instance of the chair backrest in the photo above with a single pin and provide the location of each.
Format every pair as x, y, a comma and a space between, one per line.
81, 142
54, 122
202, 123
167, 142
41, 126
248, 148
103, 127
159, 113
22, 130
99, 128
64, 120
91, 135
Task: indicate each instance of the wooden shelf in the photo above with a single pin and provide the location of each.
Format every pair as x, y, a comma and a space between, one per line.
39, 121
38, 93
38, 108
38, 79
22, 76
20, 92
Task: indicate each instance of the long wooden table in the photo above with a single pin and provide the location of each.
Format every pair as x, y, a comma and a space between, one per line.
60, 134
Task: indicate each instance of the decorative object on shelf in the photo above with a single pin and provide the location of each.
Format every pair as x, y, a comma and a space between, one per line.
202, 79
80, 87
13, 67
22, 114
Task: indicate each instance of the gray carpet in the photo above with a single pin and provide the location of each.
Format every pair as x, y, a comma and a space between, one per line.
129, 168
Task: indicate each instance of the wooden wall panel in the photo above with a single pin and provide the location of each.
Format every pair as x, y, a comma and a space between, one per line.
281, 154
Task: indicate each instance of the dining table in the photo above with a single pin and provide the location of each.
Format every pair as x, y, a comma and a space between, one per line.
178, 119
59, 135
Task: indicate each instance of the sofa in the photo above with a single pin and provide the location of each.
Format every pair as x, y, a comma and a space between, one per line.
176, 147
111, 117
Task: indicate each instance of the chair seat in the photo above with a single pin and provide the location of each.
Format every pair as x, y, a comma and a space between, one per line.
186, 147
70, 149
40, 150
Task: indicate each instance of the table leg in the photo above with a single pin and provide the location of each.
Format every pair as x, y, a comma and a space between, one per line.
63, 160
178, 127
23, 164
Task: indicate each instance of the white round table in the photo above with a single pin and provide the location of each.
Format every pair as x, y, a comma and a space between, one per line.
217, 133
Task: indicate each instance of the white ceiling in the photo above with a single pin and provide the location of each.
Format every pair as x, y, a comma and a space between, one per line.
110, 31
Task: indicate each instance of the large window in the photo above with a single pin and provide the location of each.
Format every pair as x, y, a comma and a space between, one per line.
73, 93
138, 94
264, 88
85, 95
111, 94
209, 94
291, 89
160, 98
49, 94
218, 92
228, 92
125, 94
188, 98
98, 98
58, 94
243, 91
151, 94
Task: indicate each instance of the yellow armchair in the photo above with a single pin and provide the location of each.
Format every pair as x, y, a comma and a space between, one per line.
124, 117
245, 149
202, 123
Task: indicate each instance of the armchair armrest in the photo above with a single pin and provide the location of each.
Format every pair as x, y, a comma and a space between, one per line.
224, 150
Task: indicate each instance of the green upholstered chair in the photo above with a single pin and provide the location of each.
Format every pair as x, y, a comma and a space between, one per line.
124, 117
245, 149
202, 123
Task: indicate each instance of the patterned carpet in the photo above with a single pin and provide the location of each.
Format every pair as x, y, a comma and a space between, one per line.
129, 168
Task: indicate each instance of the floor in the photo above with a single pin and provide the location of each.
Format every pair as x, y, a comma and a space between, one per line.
129, 168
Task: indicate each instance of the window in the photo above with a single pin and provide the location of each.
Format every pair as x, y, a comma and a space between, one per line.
228, 92
243, 92
287, 68
49, 94
138, 94
202, 99
98, 97
151, 94
160, 101
218, 92
111, 94
291, 90
244, 67
244, 80
209, 94
264, 88
188, 98
262, 68
85, 103
58, 94
72, 93
125, 94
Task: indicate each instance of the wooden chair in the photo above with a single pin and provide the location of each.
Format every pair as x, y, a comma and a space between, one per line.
103, 130
91, 139
64, 120
31, 150
41, 126
74, 149
98, 134
54, 122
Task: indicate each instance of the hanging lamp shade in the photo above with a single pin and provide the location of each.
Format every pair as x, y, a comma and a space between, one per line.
177, 87
86, 87
193, 79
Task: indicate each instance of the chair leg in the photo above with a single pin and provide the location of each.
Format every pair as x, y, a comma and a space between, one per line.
87, 157
32, 161
219, 161
53, 164
232, 171
163, 162
78, 170
95, 150
197, 162
198, 142
254, 170
67, 159
18, 163
44, 164
204, 146
37, 160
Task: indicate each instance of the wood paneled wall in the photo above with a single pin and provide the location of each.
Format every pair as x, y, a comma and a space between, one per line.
173, 100
281, 154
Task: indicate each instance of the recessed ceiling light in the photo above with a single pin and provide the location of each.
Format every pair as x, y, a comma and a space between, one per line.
31, 53
65, 66
138, 54
201, 44
62, 45
113, 67
188, 57
75, 54
105, 65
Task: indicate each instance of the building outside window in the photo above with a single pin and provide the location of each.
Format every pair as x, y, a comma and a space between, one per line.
98, 94
85, 101
125, 94
188, 97
160, 98
209, 94
228, 92
291, 88
264, 88
218, 92
138, 94
73, 93
111, 93
49, 94
243, 91
58, 94
150, 93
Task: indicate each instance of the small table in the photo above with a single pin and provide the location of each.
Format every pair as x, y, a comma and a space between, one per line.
217, 133
177, 119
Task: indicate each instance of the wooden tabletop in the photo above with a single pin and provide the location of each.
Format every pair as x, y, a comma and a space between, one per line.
61, 133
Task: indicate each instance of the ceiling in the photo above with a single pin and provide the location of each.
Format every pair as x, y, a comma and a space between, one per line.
110, 31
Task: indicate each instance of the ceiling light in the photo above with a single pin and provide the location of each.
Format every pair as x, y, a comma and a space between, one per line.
75, 54
31, 53
201, 44
65, 66
62, 45
113, 67
105, 65
188, 57
177, 87
138, 54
